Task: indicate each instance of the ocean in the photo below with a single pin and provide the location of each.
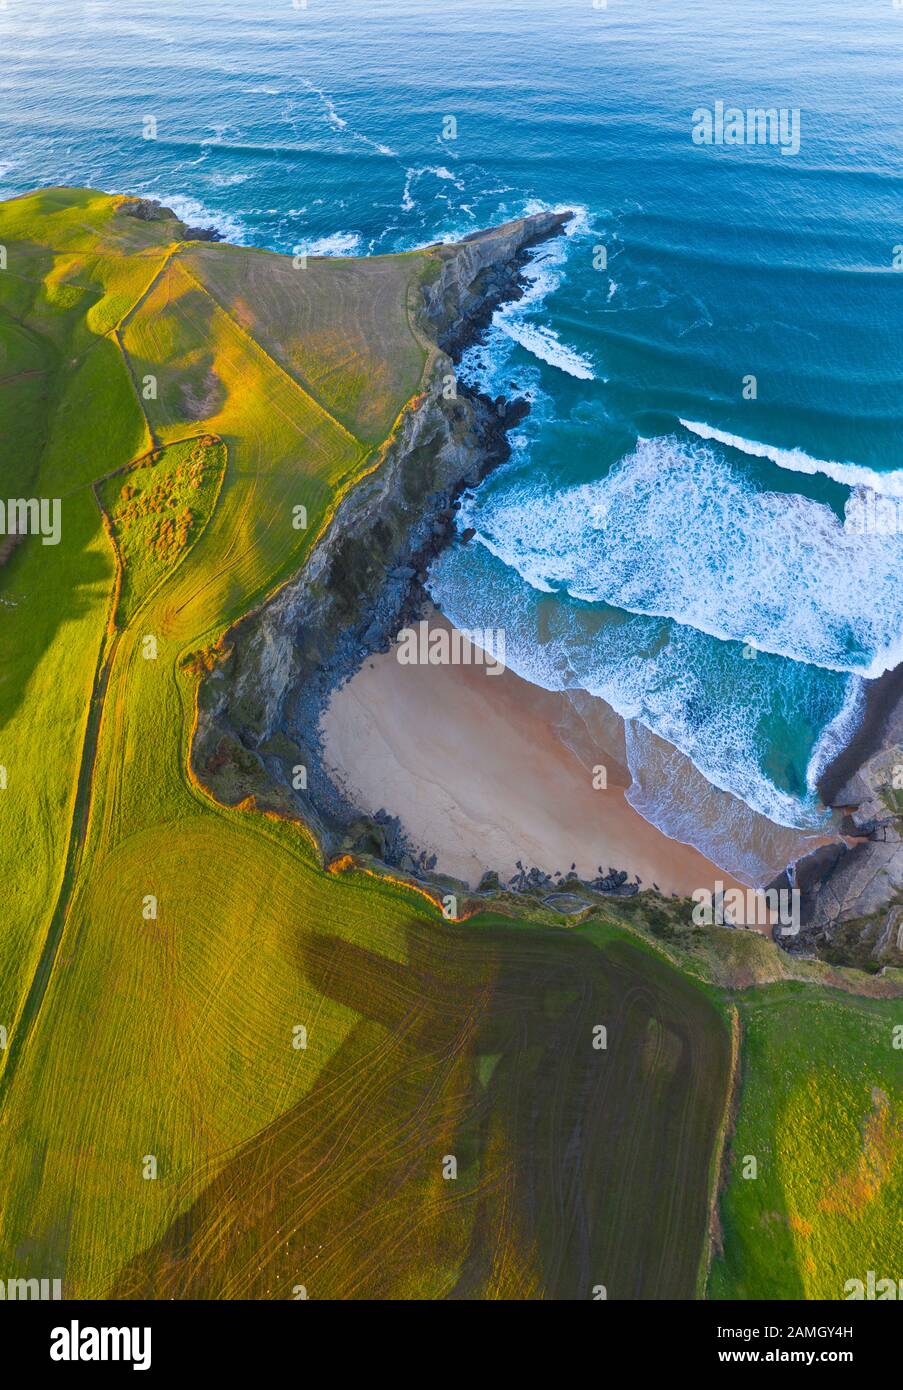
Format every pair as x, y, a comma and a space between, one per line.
712, 352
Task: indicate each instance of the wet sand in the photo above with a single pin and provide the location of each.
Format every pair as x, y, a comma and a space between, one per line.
473, 766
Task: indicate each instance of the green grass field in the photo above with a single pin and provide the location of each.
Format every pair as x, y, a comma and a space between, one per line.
822, 1115
572, 1163
161, 1130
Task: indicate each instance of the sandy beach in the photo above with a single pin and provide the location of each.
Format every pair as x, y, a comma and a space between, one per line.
473, 766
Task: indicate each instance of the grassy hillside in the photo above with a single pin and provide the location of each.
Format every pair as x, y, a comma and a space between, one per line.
98, 803
229, 1072
822, 1115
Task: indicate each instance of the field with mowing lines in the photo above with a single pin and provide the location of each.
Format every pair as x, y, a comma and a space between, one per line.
116, 764
72, 421
159, 952
303, 322
576, 1167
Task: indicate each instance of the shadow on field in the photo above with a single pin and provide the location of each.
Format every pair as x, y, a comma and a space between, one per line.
575, 1166
44, 590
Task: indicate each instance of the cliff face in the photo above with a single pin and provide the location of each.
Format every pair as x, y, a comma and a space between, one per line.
479, 273
853, 897
260, 708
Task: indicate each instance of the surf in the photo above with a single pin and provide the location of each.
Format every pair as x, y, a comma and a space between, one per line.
675, 531
725, 713
852, 475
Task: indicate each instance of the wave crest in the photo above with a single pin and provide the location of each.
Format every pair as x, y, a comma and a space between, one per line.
888, 484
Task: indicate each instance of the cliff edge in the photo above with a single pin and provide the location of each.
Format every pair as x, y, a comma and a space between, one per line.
259, 709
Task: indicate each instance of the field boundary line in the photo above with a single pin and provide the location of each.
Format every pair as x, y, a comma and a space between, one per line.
80, 821
305, 390
718, 1172
29, 1012
116, 334
168, 257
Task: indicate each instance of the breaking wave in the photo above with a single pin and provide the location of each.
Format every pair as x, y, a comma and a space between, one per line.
673, 679
338, 244
542, 276
674, 531
888, 484
196, 214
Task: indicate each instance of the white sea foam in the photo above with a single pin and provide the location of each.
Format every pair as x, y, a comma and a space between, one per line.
888, 484
329, 107
542, 276
196, 214
836, 735
338, 122
414, 175
579, 224
228, 180
674, 680
675, 531
489, 367
338, 244
672, 794
544, 343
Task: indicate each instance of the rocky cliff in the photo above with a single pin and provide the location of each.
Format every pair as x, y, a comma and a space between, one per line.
852, 893
259, 708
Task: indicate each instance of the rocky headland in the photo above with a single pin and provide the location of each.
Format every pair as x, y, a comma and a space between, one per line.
852, 891
259, 708
261, 705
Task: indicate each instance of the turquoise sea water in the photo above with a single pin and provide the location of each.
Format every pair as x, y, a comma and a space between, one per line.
658, 539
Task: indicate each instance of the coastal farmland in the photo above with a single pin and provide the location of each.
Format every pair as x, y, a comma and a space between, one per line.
821, 1114
346, 337
89, 967
576, 1167
229, 1072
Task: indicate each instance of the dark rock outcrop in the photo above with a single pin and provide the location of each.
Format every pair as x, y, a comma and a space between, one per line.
479, 273
852, 893
149, 210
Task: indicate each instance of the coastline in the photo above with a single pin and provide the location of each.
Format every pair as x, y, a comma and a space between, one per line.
258, 715
882, 699
472, 765
307, 655
284, 666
